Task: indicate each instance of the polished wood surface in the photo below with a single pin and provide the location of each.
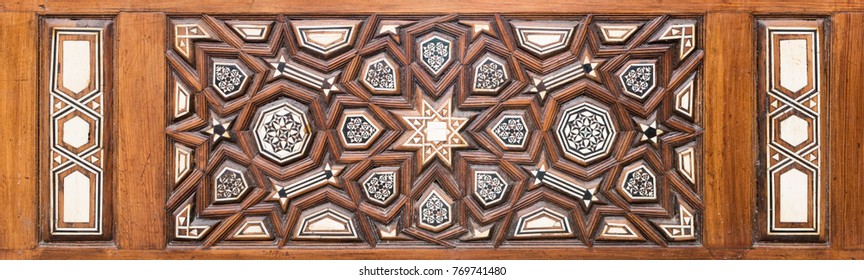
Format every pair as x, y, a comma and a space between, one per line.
18, 108
844, 133
140, 127
425, 7
730, 109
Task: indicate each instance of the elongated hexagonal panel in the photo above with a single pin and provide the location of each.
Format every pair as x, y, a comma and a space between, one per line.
792, 197
76, 86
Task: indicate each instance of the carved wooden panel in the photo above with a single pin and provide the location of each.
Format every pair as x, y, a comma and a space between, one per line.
453, 131
792, 194
77, 87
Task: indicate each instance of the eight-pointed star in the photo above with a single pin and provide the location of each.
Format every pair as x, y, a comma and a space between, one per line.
434, 132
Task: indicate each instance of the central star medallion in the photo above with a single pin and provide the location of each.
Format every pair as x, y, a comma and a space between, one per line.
434, 131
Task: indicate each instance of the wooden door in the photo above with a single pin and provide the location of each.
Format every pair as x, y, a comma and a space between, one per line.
412, 130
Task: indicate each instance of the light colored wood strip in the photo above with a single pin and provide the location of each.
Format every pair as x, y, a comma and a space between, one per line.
18, 173
442, 6
729, 130
141, 109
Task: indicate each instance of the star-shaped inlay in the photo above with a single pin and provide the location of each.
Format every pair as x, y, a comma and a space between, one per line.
218, 130
650, 132
303, 76
543, 84
590, 64
435, 131
391, 28
479, 27
280, 66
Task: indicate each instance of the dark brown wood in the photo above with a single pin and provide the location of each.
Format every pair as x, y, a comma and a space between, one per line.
632, 85
844, 140
730, 140
18, 111
140, 179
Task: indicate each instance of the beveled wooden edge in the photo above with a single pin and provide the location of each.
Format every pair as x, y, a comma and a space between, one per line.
791, 253
419, 6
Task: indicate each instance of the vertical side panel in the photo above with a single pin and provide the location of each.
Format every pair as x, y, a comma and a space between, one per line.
77, 85
140, 128
846, 144
729, 130
18, 172
792, 192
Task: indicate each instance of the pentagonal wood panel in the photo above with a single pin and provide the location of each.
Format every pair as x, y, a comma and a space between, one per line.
453, 131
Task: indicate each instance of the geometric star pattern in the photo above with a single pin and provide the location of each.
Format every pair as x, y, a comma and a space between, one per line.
434, 132
452, 131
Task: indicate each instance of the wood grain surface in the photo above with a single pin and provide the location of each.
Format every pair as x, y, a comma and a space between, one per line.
140, 131
730, 141
845, 133
18, 173
419, 6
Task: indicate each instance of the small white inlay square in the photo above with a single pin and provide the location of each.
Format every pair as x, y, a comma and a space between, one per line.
436, 131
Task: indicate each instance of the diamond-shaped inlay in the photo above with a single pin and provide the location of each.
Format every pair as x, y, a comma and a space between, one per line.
380, 187
511, 131
639, 79
639, 183
380, 75
282, 132
586, 132
435, 53
490, 75
228, 79
358, 130
229, 185
489, 187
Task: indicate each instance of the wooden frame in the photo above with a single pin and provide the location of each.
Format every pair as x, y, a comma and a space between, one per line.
93, 104
730, 113
816, 230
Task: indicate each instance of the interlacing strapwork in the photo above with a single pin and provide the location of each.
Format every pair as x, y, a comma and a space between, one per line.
453, 131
